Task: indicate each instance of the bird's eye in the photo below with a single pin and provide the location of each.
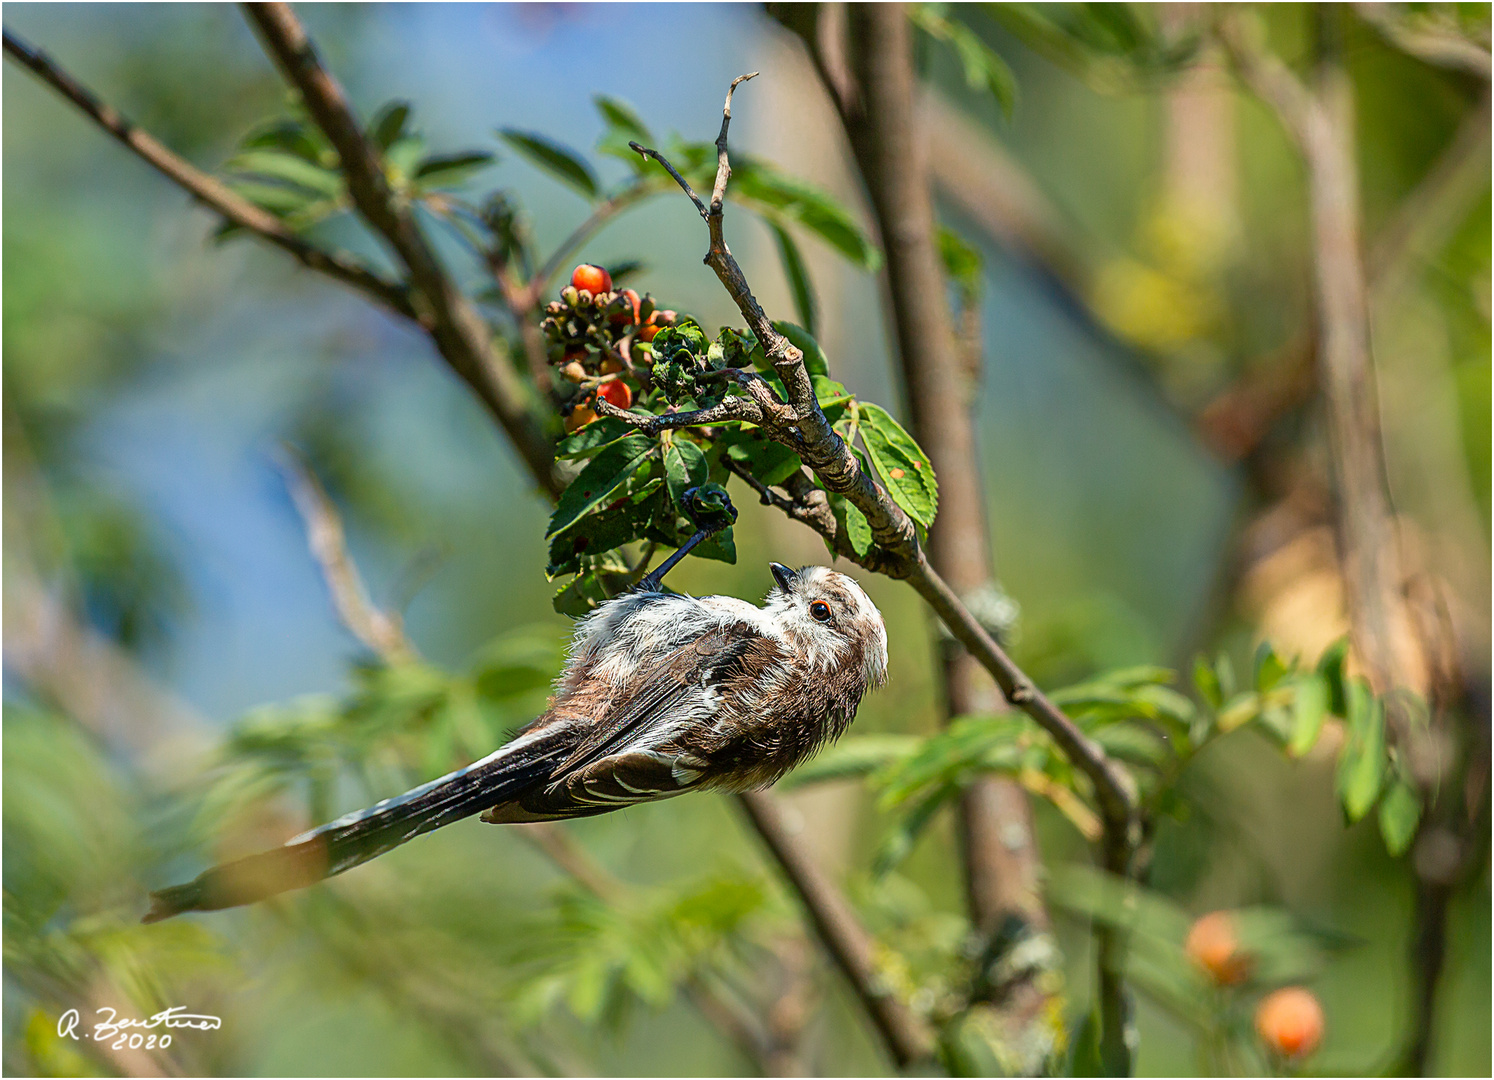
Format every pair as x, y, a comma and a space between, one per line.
820, 610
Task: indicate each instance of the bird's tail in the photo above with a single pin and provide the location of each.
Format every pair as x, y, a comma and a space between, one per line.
357, 837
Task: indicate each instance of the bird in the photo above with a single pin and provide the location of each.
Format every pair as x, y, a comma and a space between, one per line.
662, 694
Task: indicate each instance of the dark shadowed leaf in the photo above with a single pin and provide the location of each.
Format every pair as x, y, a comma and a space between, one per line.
592, 437
901, 463
388, 124
451, 170
603, 475
559, 161
684, 467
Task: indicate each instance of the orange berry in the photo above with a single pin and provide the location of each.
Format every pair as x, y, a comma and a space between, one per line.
610, 366
1213, 946
579, 417
1290, 1022
617, 392
591, 278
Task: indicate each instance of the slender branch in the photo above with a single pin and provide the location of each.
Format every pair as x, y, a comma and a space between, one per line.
849, 945
804, 428
459, 332
1424, 39
380, 631
208, 190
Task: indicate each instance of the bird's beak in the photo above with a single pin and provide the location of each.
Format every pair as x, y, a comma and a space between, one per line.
785, 577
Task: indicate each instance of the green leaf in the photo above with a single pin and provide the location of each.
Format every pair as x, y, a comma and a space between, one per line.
293, 169
984, 68
901, 463
1331, 667
761, 186
293, 136
620, 115
595, 435
798, 276
559, 161
401, 158
580, 597
858, 529
1269, 670
815, 361
603, 475
854, 755
451, 170
770, 462
1361, 765
1207, 682
1400, 814
279, 199
594, 535
962, 261
1308, 709
388, 124
684, 467
898, 844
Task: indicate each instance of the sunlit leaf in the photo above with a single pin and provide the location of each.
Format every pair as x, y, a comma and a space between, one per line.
1400, 814
1309, 707
1361, 765
901, 463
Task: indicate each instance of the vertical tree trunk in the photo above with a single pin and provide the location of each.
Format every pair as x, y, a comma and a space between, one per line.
864, 55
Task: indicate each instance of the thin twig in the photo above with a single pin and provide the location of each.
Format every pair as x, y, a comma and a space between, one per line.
211, 192
1440, 45
379, 630
801, 425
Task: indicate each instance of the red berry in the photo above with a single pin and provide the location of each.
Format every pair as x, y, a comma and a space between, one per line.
591, 278
617, 392
1290, 1022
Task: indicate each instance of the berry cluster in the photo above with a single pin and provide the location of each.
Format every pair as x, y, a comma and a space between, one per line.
591, 333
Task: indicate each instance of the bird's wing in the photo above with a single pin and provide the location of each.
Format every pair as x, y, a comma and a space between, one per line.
665, 696
630, 754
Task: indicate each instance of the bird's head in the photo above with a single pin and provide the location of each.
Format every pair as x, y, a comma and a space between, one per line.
829, 616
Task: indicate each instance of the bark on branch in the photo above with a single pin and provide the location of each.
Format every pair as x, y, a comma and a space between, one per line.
459, 332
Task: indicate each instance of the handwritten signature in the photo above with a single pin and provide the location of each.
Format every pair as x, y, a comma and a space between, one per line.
134, 1034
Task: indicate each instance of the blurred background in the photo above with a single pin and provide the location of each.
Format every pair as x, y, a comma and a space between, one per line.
1145, 254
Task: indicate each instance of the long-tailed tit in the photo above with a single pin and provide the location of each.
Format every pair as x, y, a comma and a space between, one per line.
663, 694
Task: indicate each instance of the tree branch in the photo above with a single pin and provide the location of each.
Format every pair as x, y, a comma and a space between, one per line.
1440, 45
211, 192
381, 631
804, 429
459, 332
849, 945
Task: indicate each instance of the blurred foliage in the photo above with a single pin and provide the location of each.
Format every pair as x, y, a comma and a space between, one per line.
474, 950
